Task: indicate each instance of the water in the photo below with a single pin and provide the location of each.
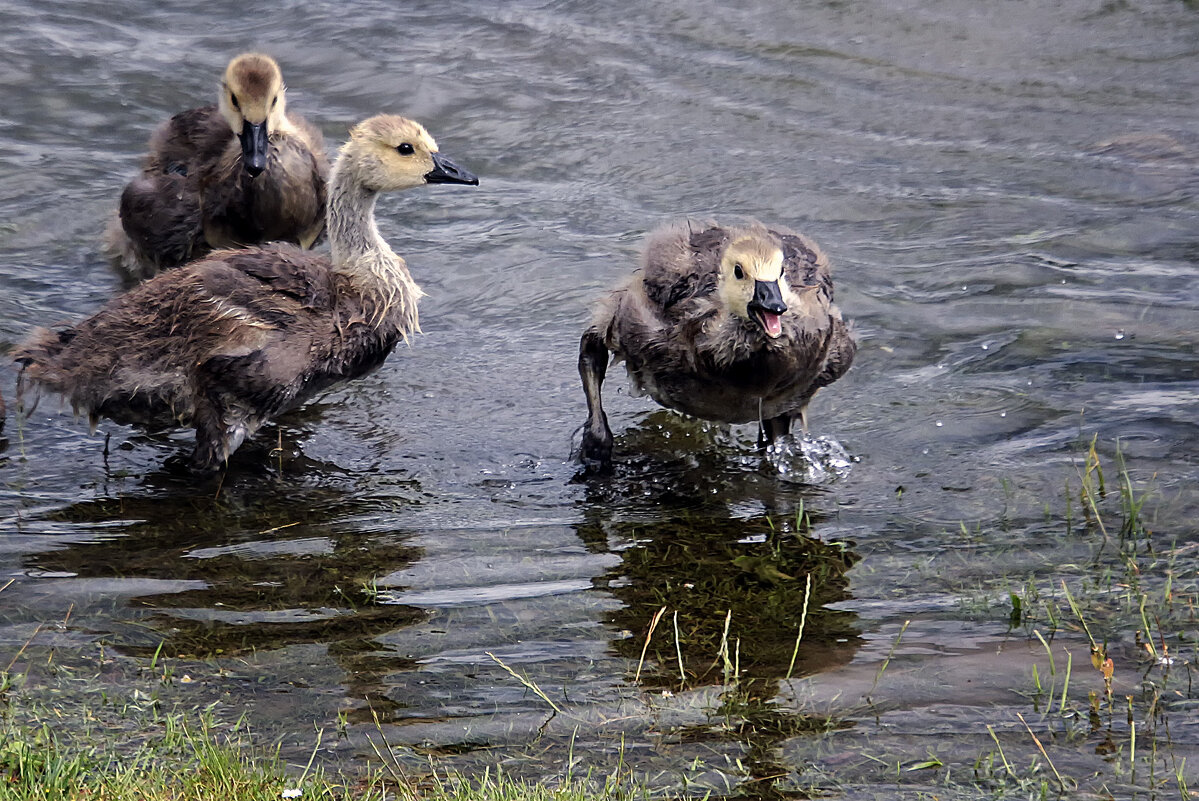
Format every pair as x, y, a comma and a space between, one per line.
1008, 193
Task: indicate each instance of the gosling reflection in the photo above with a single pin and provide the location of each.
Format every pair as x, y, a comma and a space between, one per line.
736, 592
711, 611
254, 571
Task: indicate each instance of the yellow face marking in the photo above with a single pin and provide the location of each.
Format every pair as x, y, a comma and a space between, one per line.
401, 152
252, 91
746, 261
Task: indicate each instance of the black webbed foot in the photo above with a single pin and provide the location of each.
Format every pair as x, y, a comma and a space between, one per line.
596, 451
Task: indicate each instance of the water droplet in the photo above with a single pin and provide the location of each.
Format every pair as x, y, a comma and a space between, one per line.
1120, 334
815, 460
1003, 414
939, 424
924, 452
986, 346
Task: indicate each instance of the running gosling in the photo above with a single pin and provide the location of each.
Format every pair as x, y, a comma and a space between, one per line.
725, 323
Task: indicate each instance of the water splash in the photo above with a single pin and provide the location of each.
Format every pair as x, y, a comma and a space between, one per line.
809, 460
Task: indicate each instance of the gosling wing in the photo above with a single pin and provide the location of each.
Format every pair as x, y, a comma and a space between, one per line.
196, 136
681, 262
804, 263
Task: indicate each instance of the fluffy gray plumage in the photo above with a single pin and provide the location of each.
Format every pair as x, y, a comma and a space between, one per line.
195, 194
226, 343
700, 329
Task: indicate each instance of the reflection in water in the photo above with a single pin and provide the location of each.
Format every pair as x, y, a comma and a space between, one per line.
735, 593
707, 598
261, 568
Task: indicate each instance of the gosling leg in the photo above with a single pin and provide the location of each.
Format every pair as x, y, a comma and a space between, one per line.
221, 427
209, 454
596, 451
771, 429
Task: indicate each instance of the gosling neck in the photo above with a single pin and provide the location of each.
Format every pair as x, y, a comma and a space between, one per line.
361, 255
353, 235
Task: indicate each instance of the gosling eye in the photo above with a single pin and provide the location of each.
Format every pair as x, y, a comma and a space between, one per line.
405, 149
274, 101
233, 100
738, 272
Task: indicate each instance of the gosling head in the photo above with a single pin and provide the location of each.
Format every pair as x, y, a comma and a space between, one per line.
752, 284
252, 101
389, 152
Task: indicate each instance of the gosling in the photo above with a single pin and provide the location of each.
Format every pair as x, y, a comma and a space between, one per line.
225, 344
725, 323
242, 172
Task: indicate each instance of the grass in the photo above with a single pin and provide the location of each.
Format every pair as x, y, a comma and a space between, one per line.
1133, 602
186, 760
189, 759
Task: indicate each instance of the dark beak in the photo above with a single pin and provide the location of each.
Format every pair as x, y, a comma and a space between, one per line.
447, 172
768, 297
254, 146
767, 306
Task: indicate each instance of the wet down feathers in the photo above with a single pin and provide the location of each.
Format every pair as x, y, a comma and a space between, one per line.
242, 172
725, 323
229, 342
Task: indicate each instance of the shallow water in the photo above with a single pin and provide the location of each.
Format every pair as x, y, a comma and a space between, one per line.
1008, 193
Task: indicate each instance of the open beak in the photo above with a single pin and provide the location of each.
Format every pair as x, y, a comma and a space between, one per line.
447, 172
767, 307
254, 146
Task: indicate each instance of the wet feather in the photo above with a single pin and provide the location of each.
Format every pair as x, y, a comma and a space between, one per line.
195, 193
698, 338
228, 342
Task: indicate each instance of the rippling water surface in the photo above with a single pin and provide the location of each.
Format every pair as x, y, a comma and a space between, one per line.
1008, 192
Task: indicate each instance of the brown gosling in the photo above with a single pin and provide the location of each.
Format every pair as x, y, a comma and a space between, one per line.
242, 172
227, 343
725, 323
